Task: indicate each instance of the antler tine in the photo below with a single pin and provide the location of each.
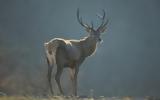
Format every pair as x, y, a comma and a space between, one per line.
80, 20
104, 14
103, 24
102, 17
92, 24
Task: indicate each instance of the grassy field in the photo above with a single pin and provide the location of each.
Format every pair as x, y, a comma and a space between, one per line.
72, 98
42, 98
59, 98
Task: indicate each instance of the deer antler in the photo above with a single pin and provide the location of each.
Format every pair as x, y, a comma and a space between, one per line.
102, 27
81, 22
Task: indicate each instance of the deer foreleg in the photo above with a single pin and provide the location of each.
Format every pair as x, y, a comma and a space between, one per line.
74, 73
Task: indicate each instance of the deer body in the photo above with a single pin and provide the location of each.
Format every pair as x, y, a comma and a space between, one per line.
73, 50
71, 53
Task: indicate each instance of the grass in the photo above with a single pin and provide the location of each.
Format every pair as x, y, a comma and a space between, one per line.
19, 98
72, 98
41, 98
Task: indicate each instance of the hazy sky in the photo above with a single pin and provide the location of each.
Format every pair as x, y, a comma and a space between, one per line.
126, 63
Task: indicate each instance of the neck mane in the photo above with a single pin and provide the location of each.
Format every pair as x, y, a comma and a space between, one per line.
88, 46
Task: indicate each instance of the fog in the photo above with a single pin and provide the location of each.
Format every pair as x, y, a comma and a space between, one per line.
126, 63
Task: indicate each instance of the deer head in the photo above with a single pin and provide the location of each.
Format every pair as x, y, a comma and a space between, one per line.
95, 33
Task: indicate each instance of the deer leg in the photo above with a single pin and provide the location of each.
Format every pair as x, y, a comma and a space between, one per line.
57, 78
50, 67
75, 83
74, 73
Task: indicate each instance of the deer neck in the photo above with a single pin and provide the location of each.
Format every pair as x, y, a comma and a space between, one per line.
88, 46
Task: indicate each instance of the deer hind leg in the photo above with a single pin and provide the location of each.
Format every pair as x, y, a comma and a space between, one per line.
57, 78
49, 75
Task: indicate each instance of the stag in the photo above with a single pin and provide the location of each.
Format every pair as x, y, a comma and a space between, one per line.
71, 53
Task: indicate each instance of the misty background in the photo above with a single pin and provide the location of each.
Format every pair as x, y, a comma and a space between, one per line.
126, 63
